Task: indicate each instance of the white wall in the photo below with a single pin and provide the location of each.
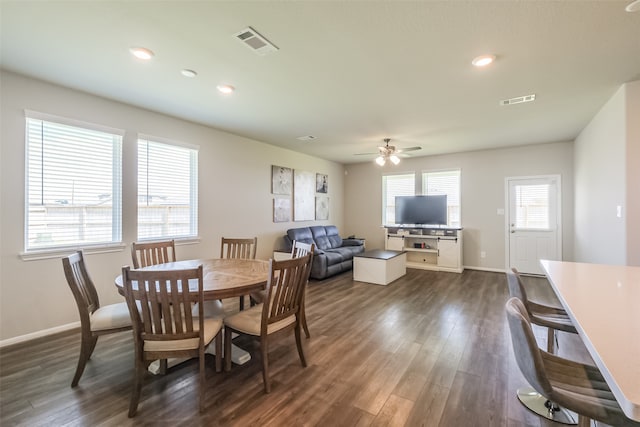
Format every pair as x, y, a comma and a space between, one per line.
632, 209
607, 159
483, 176
234, 185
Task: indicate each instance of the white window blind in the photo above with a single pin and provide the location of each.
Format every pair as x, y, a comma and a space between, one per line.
392, 186
532, 206
445, 183
167, 190
73, 180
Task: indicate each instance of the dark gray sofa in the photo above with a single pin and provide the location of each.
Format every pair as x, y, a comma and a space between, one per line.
332, 254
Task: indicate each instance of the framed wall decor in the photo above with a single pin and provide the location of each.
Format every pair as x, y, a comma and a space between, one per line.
303, 195
281, 180
322, 183
322, 207
282, 209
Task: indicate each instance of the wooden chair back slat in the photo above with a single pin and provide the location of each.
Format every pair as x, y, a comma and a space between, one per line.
144, 254
82, 287
299, 249
285, 289
162, 303
238, 248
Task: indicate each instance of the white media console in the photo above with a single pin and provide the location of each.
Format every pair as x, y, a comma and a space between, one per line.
427, 248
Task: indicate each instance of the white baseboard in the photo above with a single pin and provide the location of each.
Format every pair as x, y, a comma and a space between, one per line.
493, 270
39, 334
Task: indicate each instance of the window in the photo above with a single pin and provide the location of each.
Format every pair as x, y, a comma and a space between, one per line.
167, 190
73, 180
392, 186
445, 182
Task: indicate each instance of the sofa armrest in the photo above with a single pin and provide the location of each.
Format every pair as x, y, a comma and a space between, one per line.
352, 242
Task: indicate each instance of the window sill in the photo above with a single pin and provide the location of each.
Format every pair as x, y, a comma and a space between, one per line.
59, 252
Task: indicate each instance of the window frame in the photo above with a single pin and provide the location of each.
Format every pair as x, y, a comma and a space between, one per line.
385, 206
424, 184
40, 252
193, 188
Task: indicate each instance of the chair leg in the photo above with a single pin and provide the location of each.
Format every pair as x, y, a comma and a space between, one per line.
202, 380
264, 352
137, 388
163, 366
227, 349
303, 319
93, 346
218, 340
241, 302
87, 345
303, 360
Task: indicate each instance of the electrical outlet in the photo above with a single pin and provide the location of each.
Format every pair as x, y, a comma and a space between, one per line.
483, 254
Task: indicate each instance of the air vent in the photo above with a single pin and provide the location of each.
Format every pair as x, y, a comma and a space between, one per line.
518, 100
254, 41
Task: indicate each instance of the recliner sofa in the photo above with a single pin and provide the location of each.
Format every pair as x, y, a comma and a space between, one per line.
332, 254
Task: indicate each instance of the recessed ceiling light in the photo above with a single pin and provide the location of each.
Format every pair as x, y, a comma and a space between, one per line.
633, 6
225, 89
141, 53
188, 73
483, 60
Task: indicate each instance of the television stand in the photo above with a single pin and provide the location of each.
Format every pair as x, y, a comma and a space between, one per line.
427, 248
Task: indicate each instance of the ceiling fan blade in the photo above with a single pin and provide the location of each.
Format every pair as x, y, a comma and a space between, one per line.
404, 150
365, 154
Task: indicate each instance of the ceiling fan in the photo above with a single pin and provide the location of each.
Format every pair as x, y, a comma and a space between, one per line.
389, 152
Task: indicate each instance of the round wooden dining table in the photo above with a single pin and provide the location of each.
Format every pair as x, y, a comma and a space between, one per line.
222, 278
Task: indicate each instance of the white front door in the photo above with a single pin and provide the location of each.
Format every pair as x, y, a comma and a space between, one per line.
533, 222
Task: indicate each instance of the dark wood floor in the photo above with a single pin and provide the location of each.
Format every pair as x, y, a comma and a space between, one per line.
431, 349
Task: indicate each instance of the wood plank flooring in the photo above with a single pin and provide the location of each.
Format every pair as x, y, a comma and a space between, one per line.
430, 349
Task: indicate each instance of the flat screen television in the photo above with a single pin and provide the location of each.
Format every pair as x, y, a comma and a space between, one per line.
428, 210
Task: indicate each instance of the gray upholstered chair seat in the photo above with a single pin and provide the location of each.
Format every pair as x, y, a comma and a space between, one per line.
578, 387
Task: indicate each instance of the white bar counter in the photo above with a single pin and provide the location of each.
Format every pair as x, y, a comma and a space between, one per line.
603, 301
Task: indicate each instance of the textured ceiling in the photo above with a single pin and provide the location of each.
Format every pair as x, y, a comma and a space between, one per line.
349, 73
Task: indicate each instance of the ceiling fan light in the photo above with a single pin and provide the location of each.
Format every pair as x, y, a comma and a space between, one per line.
394, 159
483, 60
380, 160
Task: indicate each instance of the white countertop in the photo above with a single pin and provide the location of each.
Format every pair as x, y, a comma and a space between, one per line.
603, 302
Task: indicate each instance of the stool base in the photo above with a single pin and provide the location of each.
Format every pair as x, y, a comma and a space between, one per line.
537, 403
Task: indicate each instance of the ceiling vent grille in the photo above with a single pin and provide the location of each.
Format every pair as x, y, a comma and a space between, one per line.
518, 100
254, 41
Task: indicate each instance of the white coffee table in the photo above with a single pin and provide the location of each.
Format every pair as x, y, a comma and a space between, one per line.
379, 266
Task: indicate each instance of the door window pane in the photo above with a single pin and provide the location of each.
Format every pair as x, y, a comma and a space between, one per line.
532, 206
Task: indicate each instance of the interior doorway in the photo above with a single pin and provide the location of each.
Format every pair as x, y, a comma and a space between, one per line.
533, 222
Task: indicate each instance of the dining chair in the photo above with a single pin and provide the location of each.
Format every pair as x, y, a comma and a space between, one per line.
554, 319
239, 248
279, 313
298, 249
95, 320
160, 305
144, 254
580, 388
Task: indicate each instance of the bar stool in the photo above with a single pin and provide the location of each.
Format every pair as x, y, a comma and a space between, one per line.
576, 386
554, 319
